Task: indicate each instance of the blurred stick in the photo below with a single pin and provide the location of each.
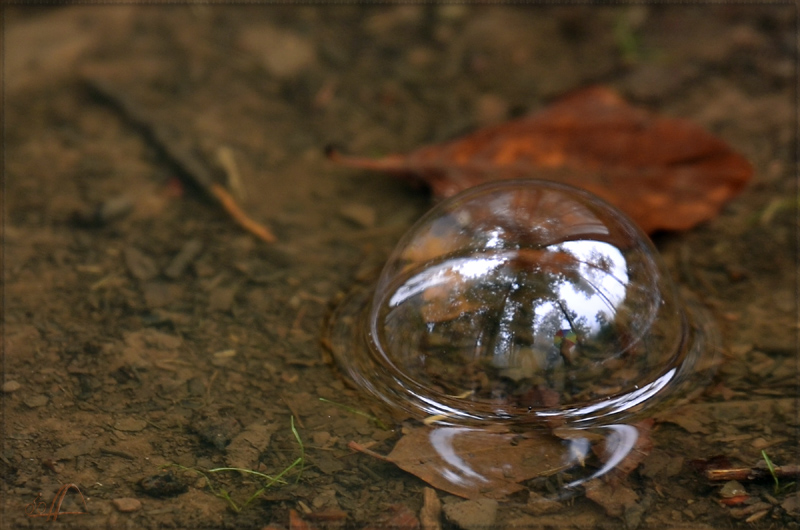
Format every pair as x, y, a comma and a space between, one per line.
182, 161
355, 446
753, 473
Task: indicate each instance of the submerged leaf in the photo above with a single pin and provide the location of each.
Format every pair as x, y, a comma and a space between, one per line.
473, 463
665, 173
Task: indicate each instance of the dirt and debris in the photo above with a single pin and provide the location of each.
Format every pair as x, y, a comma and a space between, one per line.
142, 327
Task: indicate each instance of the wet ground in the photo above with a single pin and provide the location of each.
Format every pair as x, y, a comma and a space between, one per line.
123, 354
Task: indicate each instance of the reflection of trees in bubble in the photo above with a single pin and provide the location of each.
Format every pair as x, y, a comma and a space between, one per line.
577, 323
601, 262
602, 341
500, 313
602, 323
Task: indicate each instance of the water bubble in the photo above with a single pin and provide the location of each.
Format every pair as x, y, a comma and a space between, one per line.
521, 302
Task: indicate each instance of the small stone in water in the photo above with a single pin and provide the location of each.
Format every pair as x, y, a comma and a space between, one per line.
732, 488
162, 485
733, 493
11, 386
127, 504
472, 515
189, 251
130, 425
431, 512
36, 401
141, 266
360, 214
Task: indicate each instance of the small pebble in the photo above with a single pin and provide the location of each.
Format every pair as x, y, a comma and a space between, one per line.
217, 431
360, 214
188, 253
36, 401
222, 299
540, 505
320, 437
141, 266
82, 447
792, 504
160, 294
430, 515
196, 386
284, 54
472, 515
731, 489
225, 354
11, 386
130, 425
104, 213
113, 209
221, 358
165, 484
491, 109
127, 504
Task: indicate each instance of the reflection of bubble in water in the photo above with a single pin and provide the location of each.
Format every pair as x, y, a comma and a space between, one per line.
619, 441
521, 302
455, 469
454, 454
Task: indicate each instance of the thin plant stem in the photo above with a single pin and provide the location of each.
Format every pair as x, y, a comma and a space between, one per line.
302, 458
242, 470
771, 470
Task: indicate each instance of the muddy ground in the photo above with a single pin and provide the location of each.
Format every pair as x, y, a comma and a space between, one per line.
122, 355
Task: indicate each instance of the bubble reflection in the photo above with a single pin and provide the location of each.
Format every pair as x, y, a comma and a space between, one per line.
619, 442
449, 454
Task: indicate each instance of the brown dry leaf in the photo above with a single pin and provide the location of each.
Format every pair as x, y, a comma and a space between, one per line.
665, 173
474, 463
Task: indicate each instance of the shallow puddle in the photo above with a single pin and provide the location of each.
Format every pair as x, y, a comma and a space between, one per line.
156, 354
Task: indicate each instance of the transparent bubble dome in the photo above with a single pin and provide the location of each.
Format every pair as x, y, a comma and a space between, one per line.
521, 301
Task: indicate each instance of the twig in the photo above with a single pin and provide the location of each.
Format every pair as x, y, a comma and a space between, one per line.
227, 162
753, 473
182, 161
228, 203
294, 412
117, 452
302, 458
355, 446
